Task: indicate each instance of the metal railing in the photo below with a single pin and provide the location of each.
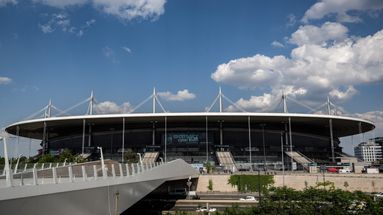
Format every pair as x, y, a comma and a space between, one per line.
73, 173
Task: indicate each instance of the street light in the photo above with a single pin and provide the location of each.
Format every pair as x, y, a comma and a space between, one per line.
139, 156
102, 162
264, 147
8, 173
189, 183
17, 163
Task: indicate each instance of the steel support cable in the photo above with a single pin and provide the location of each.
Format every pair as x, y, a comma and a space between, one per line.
299, 103
36, 113
158, 101
141, 103
212, 105
73, 107
280, 102
235, 105
318, 108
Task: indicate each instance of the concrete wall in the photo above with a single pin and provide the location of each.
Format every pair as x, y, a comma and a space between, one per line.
220, 183
362, 182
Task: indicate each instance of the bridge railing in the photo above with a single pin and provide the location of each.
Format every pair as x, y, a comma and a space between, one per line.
74, 173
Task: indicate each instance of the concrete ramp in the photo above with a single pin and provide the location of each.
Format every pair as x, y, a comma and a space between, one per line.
150, 157
91, 196
226, 160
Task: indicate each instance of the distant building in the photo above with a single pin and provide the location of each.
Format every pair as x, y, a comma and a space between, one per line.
368, 151
378, 140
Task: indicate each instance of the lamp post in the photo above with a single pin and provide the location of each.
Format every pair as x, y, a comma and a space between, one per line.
102, 162
140, 158
8, 173
259, 185
17, 164
264, 147
189, 183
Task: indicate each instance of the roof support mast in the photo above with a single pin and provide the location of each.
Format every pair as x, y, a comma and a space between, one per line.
154, 100
284, 98
220, 100
331, 130
91, 103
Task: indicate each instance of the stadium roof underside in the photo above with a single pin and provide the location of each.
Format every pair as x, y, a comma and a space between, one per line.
60, 126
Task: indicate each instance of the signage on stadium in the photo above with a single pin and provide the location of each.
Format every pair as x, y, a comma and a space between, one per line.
183, 138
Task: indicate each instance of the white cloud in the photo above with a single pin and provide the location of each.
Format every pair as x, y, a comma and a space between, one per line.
343, 95
263, 103
127, 49
376, 117
5, 80
61, 3
108, 107
340, 8
277, 44
181, 95
62, 22
310, 34
110, 54
132, 9
46, 29
291, 20
6, 2
314, 70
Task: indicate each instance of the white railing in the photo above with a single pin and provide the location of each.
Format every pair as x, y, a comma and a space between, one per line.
74, 173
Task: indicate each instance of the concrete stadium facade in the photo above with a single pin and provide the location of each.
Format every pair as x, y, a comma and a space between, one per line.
196, 136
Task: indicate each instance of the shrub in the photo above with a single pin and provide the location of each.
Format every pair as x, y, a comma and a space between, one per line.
210, 186
251, 182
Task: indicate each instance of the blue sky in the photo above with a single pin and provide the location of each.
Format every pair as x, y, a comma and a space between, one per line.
254, 50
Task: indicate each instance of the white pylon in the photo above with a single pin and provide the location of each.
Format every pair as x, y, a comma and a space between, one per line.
48, 110
328, 106
154, 100
220, 100
284, 103
91, 103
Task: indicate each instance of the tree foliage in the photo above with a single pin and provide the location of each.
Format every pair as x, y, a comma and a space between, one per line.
251, 183
313, 200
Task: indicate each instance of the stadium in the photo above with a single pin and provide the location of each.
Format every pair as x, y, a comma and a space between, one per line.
224, 138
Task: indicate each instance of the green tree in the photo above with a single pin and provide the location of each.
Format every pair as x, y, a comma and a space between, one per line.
47, 158
67, 155
251, 182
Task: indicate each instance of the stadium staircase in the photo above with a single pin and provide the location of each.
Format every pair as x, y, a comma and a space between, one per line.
226, 160
150, 157
299, 158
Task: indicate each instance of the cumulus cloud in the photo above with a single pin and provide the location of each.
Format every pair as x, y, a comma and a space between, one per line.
6, 2
181, 95
5, 80
310, 34
108, 107
340, 9
343, 95
312, 69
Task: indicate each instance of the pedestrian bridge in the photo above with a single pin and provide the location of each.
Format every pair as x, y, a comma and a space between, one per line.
90, 188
